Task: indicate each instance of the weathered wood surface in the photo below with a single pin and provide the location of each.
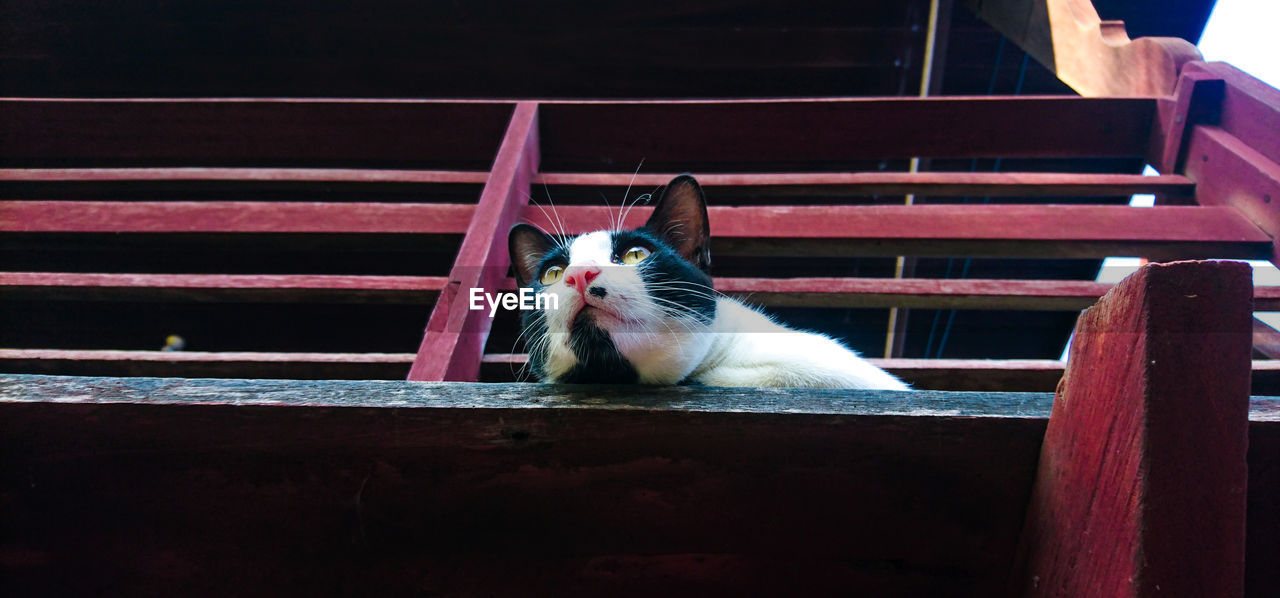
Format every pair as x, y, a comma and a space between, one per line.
453, 342
1094, 57
205, 487
1141, 487
387, 488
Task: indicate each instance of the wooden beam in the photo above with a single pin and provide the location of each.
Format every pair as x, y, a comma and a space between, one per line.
281, 132
725, 135
220, 287
303, 175
1229, 172
1142, 477
453, 343
620, 493
994, 184
1066, 295
203, 364
1169, 232
232, 217
1095, 57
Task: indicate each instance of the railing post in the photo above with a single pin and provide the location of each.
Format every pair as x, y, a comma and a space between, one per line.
1141, 485
454, 341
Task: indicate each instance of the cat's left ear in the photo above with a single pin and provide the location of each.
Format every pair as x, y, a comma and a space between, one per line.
527, 245
680, 217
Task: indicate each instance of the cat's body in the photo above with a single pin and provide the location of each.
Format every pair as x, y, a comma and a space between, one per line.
637, 306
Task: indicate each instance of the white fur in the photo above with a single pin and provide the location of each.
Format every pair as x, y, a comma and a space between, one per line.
741, 347
749, 349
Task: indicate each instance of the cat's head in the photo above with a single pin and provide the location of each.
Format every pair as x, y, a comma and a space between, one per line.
632, 304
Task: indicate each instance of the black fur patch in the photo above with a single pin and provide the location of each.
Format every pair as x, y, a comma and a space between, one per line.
678, 287
598, 359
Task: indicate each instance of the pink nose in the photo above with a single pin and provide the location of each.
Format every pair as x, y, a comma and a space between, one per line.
580, 277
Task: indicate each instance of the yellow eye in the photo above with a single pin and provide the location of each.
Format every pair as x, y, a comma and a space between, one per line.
552, 275
635, 255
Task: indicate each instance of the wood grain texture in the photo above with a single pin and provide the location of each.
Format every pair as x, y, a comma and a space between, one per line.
132, 486
453, 342
1142, 479
391, 487
1229, 172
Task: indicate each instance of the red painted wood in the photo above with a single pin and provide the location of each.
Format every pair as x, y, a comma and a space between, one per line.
232, 217
328, 175
897, 183
1250, 108
1048, 223
454, 340
221, 287
1166, 232
250, 132
869, 230
1228, 172
1196, 100
805, 292
1142, 477
594, 136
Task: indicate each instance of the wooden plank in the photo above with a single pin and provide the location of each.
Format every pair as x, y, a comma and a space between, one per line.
232, 217
826, 134
202, 364
1166, 232
1250, 108
994, 184
1068, 295
220, 287
985, 375
309, 175
1142, 477
621, 494
1230, 173
244, 132
1094, 57
453, 343
1266, 340
294, 477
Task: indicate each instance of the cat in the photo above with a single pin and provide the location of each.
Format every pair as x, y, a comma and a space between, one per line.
638, 306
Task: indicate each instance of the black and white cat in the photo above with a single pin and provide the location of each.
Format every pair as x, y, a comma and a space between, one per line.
637, 306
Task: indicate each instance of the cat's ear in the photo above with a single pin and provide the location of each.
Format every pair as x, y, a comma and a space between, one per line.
527, 245
680, 217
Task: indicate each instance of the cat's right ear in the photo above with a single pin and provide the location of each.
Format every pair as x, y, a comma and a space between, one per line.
527, 245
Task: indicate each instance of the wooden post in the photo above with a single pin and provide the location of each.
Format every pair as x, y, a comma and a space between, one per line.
454, 341
1141, 485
